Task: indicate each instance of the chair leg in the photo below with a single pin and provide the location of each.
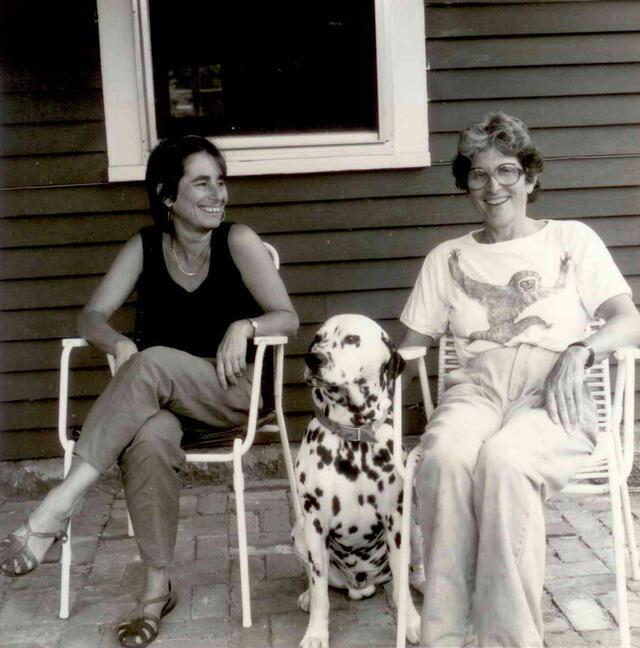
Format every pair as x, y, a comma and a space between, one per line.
65, 575
413, 459
618, 546
284, 439
129, 525
631, 534
288, 461
238, 486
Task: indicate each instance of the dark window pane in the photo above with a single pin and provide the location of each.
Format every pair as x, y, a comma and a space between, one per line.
246, 68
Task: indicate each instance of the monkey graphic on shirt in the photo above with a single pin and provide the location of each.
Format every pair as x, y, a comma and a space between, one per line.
505, 303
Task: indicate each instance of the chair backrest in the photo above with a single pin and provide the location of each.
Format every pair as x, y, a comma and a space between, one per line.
597, 378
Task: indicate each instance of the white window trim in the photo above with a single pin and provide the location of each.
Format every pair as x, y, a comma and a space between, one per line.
402, 140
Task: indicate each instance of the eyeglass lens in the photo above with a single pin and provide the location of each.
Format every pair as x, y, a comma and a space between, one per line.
505, 174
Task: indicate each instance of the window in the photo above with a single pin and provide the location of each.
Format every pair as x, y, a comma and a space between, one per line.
281, 87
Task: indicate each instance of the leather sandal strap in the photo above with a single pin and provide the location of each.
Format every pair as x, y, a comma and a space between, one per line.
56, 535
159, 599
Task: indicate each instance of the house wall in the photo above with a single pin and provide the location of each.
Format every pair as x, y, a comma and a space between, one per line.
348, 242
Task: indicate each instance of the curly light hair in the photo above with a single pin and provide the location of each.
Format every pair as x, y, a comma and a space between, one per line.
506, 133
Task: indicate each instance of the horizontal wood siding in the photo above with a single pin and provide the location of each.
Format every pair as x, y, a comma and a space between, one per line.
347, 241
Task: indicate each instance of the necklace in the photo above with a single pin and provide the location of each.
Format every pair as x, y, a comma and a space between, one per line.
184, 272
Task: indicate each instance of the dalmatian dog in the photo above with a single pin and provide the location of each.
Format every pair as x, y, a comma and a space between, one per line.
351, 497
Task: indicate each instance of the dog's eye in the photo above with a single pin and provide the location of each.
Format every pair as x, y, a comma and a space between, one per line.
352, 339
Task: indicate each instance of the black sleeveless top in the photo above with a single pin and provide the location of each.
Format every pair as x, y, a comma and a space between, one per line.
195, 322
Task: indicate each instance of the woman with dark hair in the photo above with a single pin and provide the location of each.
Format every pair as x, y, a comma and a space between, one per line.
516, 419
205, 287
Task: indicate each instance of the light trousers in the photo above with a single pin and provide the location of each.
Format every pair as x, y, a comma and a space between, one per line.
136, 422
492, 457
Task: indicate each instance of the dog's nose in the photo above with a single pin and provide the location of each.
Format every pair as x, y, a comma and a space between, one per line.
315, 361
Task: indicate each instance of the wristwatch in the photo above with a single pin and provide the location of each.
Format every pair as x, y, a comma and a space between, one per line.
254, 325
591, 357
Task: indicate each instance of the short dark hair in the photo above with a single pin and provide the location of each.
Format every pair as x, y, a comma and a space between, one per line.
510, 136
165, 167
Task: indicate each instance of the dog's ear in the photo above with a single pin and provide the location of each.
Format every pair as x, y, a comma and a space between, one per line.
391, 369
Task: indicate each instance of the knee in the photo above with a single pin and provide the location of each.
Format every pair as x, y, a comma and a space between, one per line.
151, 359
501, 464
444, 455
157, 442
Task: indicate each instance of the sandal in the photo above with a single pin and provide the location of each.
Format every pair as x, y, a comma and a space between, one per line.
140, 631
17, 559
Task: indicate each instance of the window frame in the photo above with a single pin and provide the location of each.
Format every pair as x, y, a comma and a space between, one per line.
400, 142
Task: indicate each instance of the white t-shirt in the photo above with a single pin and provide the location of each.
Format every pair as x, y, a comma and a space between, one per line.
542, 289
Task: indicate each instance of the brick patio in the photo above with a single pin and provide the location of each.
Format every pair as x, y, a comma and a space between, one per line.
579, 602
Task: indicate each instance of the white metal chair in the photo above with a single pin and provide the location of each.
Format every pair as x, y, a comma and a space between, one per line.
607, 470
234, 455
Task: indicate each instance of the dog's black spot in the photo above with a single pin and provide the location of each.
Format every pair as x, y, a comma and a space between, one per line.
317, 525
335, 505
399, 509
302, 478
380, 486
400, 496
386, 569
376, 530
392, 478
297, 462
346, 468
382, 457
319, 492
371, 499
326, 456
310, 502
318, 394
360, 500
353, 529
361, 577
398, 539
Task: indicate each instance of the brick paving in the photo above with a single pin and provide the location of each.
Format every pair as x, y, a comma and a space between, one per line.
579, 601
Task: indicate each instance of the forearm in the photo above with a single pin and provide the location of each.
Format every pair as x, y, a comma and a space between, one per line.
93, 326
619, 331
281, 322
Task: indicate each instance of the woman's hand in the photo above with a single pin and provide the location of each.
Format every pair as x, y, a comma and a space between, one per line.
231, 358
123, 350
563, 390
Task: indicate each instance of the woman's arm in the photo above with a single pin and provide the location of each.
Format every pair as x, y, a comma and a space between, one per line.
112, 291
564, 385
265, 285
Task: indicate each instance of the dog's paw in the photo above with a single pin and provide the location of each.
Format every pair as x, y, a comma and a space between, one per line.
413, 625
363, 593
417, 578
303, 601
315, 640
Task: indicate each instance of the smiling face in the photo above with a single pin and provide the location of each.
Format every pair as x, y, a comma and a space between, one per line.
201, 195
501, 206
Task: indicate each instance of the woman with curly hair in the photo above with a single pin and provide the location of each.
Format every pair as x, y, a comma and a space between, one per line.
516, 420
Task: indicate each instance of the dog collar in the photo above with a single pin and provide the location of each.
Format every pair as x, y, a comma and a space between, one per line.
365, 433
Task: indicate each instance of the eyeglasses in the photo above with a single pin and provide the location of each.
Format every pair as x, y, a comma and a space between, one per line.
505, 174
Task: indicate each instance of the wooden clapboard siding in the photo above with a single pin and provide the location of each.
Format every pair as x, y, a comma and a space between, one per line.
347, 241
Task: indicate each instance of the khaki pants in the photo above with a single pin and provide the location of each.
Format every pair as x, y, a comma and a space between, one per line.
135, 422
492, 457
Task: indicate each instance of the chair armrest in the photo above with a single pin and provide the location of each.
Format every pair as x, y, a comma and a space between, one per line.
74, 343
270, 339
413, 352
